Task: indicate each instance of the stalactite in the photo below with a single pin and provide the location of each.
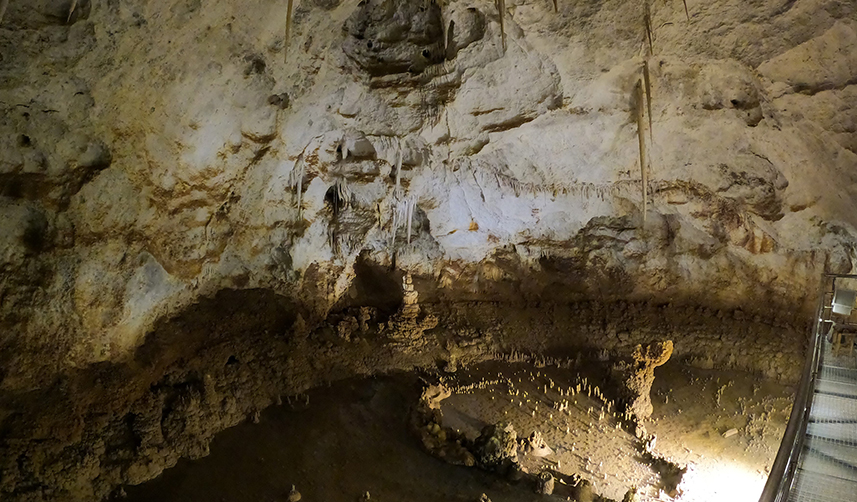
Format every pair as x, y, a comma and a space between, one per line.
71, 10
501, 10
489, 172
297, 178
641, 125
289, 6
395, 227
343, 149
444, 69
398, 189
341, 195
403, 214
410, 216
647, 81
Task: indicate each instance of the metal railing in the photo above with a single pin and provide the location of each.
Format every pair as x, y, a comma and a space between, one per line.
781, 478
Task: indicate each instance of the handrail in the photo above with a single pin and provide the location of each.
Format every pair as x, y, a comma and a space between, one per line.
782, 471
840, 276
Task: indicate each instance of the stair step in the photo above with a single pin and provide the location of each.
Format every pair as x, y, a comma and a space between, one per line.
811, 462
836, 451
837, 389
826, 408
818, 487
845, 434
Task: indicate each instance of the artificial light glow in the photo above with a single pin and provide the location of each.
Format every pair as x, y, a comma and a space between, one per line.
721, 482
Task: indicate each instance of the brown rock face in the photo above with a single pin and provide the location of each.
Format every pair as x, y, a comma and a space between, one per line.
193, 225
407, 326
387, 36
636, 377
496, 447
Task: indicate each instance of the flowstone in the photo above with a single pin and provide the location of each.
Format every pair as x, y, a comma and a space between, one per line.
250, 165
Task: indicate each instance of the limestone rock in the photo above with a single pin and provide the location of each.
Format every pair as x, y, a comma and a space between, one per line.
466, 25
516, 472
390, 36
433, 395
826, 62
443, 442
545, 483
583, 491
637, 376
496, 447
162, 166
536, 446
407, 326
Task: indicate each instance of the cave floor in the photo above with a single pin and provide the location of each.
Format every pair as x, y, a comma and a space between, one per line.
353, 437
695, 408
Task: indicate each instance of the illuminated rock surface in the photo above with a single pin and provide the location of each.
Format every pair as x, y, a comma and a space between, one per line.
194, 223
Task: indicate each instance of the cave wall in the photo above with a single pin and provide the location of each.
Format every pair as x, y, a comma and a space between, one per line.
156, 153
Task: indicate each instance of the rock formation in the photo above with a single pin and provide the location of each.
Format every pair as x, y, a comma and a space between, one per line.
545, 484
406, 326
193, 225
584, 492
433, 395
536, 446
496, 448
636, 377
427, 422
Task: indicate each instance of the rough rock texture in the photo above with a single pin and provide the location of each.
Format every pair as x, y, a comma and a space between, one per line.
406, 326
386, 37
584, 492
545, 484
636, 377
443, 442
174, 188
496, 448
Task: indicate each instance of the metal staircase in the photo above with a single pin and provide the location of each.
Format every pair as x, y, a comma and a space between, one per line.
817, 460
